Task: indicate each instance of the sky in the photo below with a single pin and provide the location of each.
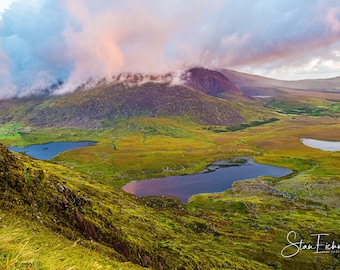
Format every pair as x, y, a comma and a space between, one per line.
44, 42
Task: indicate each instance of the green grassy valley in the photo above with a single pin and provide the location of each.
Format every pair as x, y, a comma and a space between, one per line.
71, 213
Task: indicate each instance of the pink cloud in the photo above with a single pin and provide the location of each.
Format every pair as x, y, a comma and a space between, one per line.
332, 19
92, 43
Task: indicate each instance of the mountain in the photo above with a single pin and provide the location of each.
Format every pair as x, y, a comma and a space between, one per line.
133, 96
259, 85
209, 97
208, 81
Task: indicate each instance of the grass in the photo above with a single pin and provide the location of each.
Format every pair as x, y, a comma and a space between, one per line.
311, 107
10, 133
29, 245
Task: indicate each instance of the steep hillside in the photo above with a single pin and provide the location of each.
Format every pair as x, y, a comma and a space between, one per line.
101, 106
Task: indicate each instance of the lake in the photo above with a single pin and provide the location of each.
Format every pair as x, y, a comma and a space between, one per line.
259, 96
332, 146
48, 151
217, 177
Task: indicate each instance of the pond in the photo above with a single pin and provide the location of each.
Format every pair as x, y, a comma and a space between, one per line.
332, 146
259, 96
48, 151
217, 177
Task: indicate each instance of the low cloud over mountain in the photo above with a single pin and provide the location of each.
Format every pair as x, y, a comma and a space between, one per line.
43, 42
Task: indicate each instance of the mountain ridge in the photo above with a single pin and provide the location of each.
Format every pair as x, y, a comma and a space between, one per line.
247, 81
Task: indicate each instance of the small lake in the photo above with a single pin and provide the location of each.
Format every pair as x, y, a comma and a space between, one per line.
217, 177
332, 146
48, 151
259, 96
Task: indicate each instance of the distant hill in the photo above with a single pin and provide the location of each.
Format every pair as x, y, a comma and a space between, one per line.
257, 85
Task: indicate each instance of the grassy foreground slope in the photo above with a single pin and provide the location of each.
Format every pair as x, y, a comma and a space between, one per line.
156, 232
243, 228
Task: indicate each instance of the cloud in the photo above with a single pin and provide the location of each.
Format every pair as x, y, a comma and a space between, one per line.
31, 39
332, 18
43, 42
7, 88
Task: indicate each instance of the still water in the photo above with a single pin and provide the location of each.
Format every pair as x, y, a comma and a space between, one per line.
48, 151
217, 177
332, 146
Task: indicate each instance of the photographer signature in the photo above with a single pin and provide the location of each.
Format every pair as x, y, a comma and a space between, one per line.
319, 246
